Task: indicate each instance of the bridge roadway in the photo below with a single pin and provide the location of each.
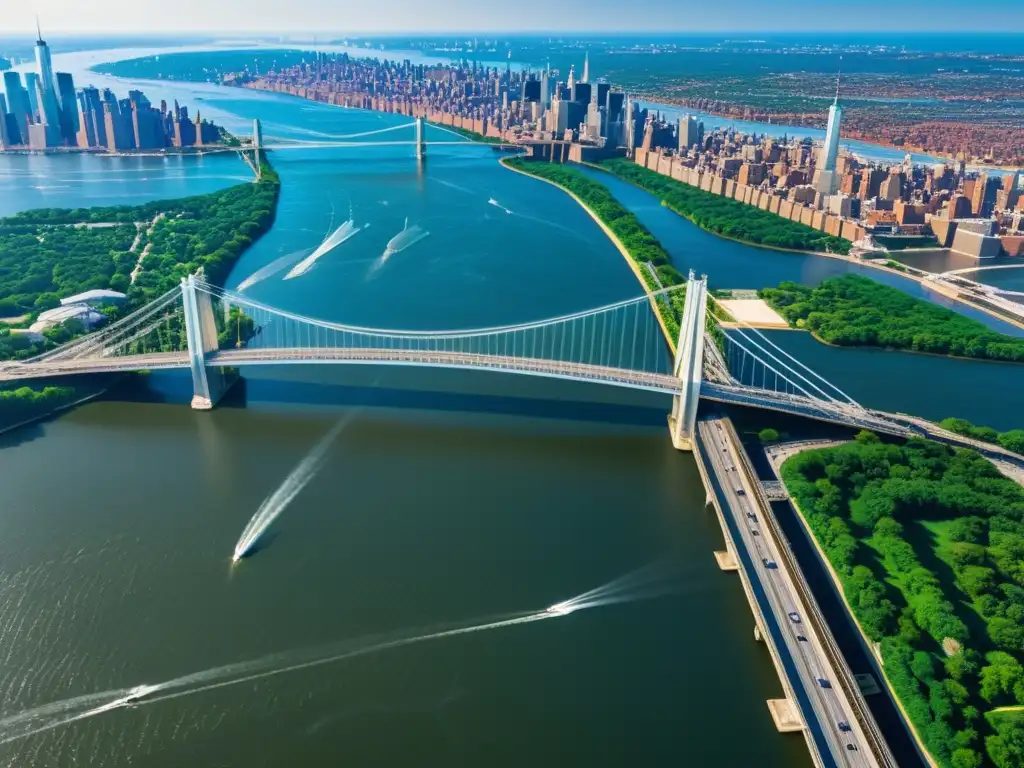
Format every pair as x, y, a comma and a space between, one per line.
895, 424
839, 728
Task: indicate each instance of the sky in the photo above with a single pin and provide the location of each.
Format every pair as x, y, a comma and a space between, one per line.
330, 17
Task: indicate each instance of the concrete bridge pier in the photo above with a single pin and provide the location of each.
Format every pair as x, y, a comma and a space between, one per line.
208, 383
688, 368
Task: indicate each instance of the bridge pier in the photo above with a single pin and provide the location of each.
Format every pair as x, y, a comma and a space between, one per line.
688, 367
208, 384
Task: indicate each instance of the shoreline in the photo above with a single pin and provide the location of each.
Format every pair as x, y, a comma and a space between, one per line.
903, 351
615, 241
48, 414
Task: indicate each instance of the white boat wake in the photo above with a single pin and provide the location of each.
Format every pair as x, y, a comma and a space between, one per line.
336, 238
496, 204
284, 494
645, 583
269, 270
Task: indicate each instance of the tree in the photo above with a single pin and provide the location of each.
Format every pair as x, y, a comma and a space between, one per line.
965, 758
1013, 440
768, 435
999, 676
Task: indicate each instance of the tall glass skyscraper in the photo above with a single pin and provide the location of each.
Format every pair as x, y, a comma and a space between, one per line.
828, 182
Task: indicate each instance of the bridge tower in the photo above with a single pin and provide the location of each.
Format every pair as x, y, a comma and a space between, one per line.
208, 384
421, 149
689, 363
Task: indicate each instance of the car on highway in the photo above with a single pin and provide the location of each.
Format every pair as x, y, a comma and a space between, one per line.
824, 683
851, 747
768, 563
740, 492
752, 516
801, 638
794, 617
844, 726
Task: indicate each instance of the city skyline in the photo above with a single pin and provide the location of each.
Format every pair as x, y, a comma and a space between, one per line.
456, 16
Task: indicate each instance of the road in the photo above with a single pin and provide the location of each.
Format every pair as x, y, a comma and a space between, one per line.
833, 723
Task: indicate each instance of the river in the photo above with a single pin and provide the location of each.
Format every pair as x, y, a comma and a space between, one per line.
446, 498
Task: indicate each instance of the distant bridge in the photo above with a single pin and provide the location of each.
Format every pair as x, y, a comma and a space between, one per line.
209, 330
250, 148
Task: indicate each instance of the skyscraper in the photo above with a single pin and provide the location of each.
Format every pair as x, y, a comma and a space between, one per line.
49, 111
691, 132
18, 103
545, 87
68, 106
43, 61
32, 88
828, 181
586, 68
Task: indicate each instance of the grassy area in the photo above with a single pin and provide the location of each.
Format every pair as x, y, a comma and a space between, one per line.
724, 216
928, 544
855, 311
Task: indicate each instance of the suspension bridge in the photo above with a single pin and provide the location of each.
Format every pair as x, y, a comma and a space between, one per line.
212, 331
412, 134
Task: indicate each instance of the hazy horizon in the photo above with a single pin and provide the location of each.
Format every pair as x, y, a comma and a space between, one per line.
655, 17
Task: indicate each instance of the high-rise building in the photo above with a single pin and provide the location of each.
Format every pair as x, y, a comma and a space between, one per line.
545, 87
828, 181
559, 117
43, 61
68, 106
586, 68
32, 88
18, 103
49, 109
580, 93
691, 132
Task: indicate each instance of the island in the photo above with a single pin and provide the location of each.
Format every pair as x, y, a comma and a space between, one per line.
927, 545
855, 311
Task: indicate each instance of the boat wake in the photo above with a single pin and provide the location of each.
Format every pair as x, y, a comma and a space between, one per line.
285, 493
645, 583
496, 204
336, 238
408, 237
269, 270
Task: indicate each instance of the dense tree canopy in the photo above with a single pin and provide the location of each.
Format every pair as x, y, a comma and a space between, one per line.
928, 542
725, 216
852, 311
